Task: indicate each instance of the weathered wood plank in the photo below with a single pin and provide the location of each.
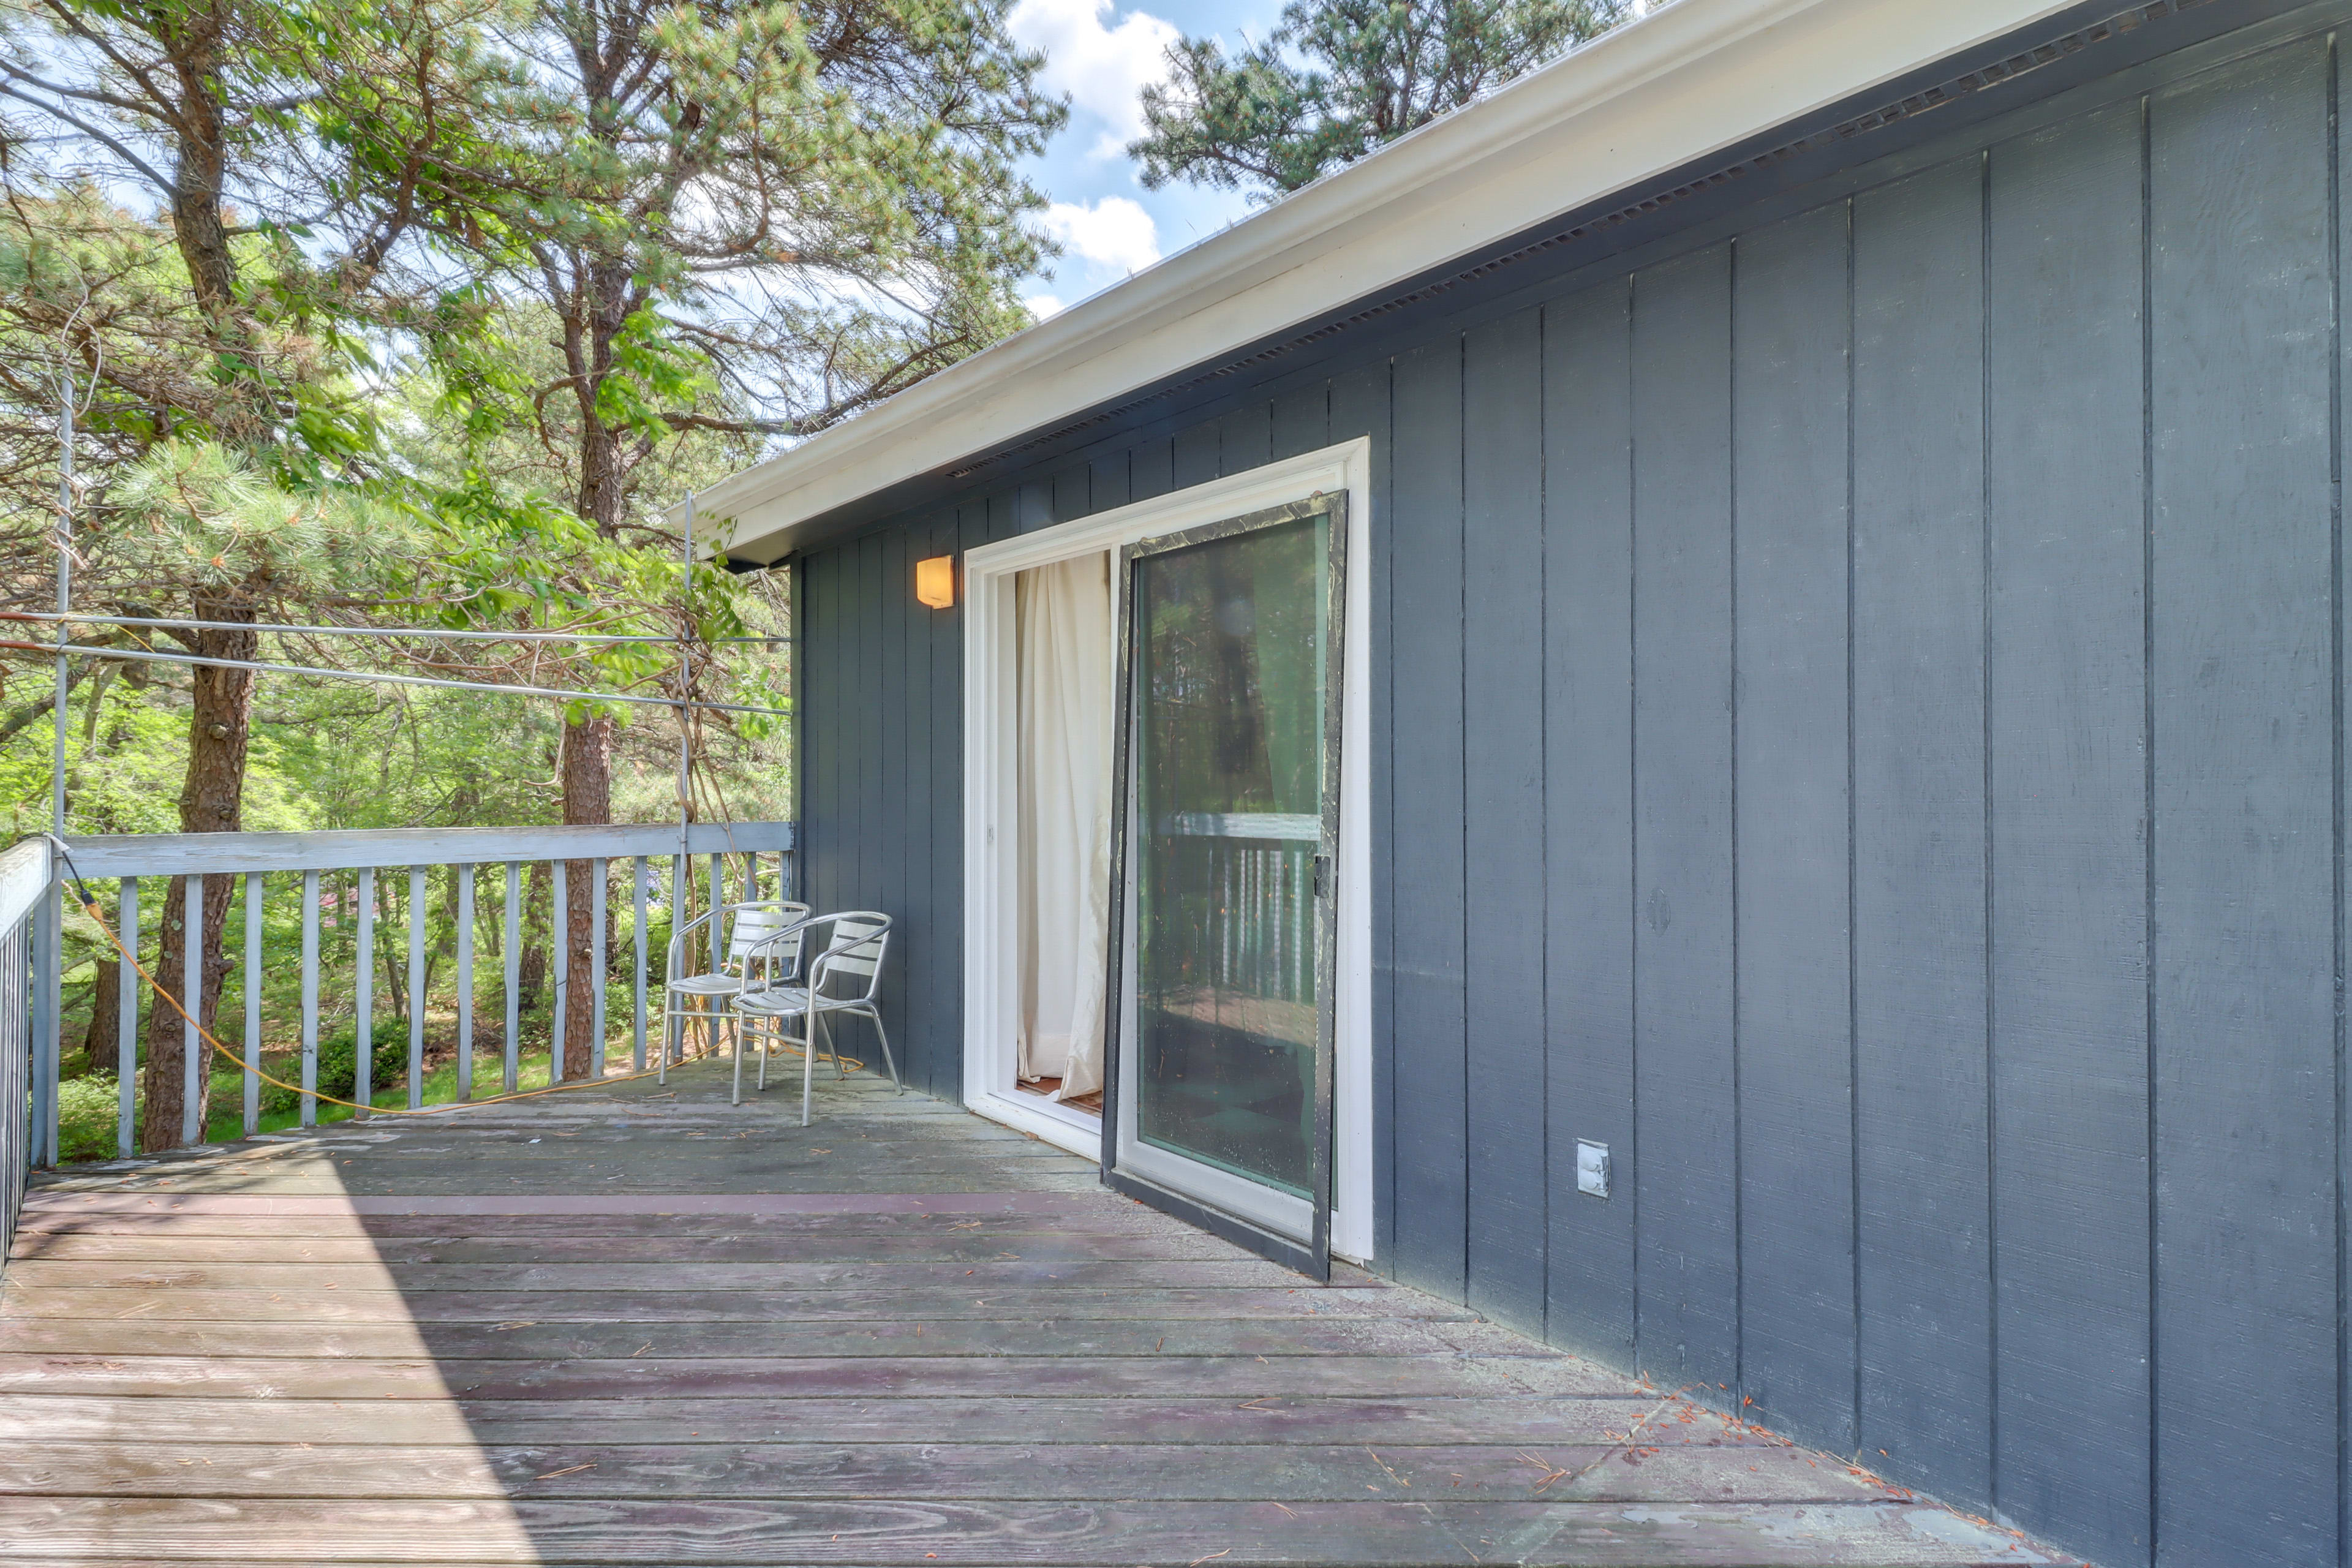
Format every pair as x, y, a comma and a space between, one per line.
172, 854
1660, 1466
156, 1303
650, 1333
1367, 1533
1499, 1420
424, 1279
654, 1375
1032, 1246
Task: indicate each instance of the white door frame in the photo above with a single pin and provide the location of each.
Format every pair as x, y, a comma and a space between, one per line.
990, 826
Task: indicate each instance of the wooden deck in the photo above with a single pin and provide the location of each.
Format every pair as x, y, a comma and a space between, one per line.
637, 1326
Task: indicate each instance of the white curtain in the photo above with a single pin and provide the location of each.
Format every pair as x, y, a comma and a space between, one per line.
1062, 622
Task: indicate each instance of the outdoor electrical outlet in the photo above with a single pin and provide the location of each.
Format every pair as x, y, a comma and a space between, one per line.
1592, 1168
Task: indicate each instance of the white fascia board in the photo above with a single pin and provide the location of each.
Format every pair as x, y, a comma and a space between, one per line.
1693, 78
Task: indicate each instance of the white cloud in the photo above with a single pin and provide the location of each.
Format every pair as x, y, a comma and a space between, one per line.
1043, 305
1104, 68
1115, 233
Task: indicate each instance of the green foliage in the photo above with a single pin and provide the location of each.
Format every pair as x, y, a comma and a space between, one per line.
1338, 78
339, 1066
88, 1110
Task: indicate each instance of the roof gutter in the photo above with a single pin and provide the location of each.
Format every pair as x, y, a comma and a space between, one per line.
1690, 79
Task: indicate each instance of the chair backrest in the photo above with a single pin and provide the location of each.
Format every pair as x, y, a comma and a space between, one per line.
856, 940
755, 933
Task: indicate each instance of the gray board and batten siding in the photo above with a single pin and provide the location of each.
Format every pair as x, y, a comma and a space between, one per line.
1859, 728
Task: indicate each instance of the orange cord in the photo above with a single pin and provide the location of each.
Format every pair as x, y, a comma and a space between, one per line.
90, 907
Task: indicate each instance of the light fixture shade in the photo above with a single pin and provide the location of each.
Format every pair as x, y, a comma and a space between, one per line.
935, 581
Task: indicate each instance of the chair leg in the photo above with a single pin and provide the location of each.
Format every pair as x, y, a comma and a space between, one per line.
814, 1027
736, 1099
888, 1059
772, 1025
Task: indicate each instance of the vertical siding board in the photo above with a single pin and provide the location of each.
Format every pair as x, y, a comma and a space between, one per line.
1920, 834
829, 667
1073, 494
1151, 468
2243, 786
873, 703
1503, 821
1589, 810
971, 529
2065, 700
1359, 406
1245, 437
1301, 421
1195, 455
1685, 1174
1425, 629
1789, 317
888, 825
1110, 482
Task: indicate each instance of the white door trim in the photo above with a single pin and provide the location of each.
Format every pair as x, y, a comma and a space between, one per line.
991, 727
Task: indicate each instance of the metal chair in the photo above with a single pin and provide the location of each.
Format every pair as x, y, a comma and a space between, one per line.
762, 949
845, 976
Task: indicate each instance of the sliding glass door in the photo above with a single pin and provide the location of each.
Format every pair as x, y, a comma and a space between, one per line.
1224, 946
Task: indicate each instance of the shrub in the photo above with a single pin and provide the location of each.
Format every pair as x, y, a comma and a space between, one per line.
338, 1066
86, 1117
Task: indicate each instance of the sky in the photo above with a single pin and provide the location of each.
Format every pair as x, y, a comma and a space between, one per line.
1101, 56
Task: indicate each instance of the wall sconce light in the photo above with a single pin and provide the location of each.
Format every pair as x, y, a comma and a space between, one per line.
935, 581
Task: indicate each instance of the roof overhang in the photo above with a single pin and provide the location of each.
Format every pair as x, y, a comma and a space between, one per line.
1688, 81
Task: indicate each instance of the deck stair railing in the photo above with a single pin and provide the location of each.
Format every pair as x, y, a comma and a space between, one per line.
341, 880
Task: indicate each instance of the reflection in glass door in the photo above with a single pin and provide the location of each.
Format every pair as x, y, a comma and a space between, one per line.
1223, 970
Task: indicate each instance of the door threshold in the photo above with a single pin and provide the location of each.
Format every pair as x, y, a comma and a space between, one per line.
1065, 1127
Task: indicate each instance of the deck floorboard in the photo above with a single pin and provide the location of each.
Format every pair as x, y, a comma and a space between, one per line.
636, 1325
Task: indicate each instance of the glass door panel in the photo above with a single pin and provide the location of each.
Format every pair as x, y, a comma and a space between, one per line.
1230, 784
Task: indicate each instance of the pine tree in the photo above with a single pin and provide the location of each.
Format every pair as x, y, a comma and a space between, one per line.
1338, 78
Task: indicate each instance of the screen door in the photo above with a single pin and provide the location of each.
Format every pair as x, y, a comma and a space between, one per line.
1223, 944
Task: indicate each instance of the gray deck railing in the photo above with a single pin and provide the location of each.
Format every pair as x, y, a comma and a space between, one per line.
24, 900
341, 880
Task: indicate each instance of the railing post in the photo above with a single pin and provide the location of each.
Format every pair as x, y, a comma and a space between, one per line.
514, 974
129, 989
192, 979
560, 969
253, 901
309, 1107
637, 870
596, 965
718, 898
415, 987
681, 900
465, 874
364, 995
47, 1011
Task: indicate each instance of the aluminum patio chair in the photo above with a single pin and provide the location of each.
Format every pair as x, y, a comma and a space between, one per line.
762, 949
845, 976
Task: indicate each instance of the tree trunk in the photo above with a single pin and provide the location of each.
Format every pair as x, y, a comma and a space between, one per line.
587, 798
212, 800
104, 1040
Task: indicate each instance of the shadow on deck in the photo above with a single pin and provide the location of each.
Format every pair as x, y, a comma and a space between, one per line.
631, 1325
